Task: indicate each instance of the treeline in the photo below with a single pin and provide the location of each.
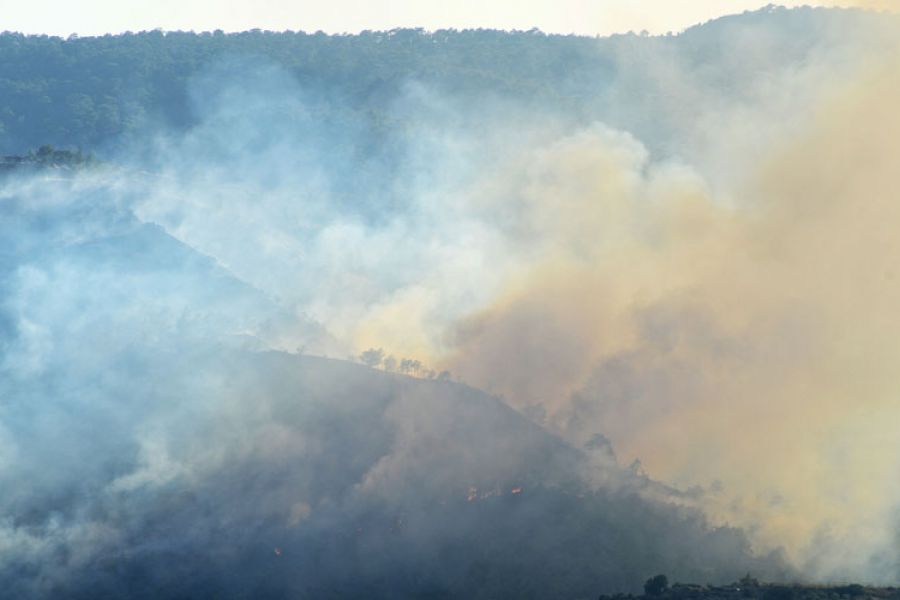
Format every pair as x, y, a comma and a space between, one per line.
96, 92
88, 91
749, 588
47, 157
376, 358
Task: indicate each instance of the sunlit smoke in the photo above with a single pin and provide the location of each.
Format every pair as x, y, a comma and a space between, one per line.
699, 281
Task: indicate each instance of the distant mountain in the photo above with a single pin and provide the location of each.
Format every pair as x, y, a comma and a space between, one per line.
104, 92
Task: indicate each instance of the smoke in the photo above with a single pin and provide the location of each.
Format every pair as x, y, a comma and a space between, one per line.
743, 341
879, 5
702, 278
151, 449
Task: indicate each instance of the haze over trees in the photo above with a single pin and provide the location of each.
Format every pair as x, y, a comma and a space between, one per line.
170, 424
100, 92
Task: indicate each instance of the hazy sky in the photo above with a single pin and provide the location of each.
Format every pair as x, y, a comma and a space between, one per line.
91, 17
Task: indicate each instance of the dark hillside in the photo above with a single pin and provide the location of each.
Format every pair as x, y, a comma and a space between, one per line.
657, 588
167, 458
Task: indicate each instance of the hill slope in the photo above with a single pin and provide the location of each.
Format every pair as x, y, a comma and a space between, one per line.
150, 451
104, 92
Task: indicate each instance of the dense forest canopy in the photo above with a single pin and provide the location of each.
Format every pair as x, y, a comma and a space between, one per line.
98, 92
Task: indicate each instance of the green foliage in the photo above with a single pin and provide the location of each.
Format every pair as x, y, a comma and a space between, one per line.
93, 91
655, 586
750, 587
853, 590
99, 92
47, 157
372, 357
779, 593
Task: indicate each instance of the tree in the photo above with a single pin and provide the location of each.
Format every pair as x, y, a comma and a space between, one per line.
778, 592
655, 586
410, 366
372, 357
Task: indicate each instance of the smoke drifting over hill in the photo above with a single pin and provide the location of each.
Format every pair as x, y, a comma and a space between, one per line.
151, 448
703, 280
693, 329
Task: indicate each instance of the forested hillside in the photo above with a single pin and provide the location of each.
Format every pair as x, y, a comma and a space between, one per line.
657, 276
98, 92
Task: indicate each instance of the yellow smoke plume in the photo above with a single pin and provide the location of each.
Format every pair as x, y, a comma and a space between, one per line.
743, 337
754, 342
